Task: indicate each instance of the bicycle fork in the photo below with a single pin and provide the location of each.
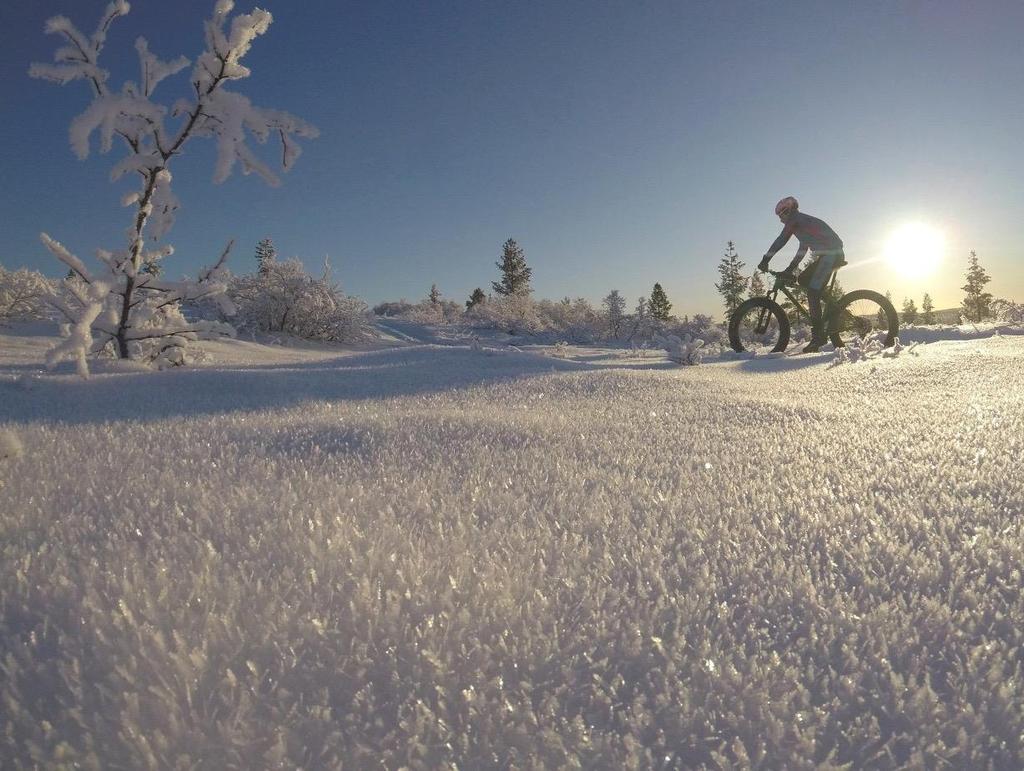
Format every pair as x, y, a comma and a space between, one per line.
764, 316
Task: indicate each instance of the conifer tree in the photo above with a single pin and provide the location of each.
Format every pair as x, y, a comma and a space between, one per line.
659, 306
733, 283
615, 308
909, 311
476, 298
757, 286
880, 319
927, 310
266, 255
977, 302
515, 273
435, 295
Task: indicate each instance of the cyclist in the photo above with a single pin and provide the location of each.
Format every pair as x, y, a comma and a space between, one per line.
826, 248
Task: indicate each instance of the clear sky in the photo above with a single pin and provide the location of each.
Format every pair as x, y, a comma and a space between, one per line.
621, 143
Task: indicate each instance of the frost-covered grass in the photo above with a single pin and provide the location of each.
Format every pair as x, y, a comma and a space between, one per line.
436, 556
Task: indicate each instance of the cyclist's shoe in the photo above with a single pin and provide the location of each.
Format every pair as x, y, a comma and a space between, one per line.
817, 340
788, 277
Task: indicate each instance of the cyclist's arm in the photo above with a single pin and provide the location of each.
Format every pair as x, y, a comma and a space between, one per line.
778, 243
800, 253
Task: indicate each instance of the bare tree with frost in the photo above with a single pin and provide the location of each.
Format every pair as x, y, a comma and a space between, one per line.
125, 306
23, 295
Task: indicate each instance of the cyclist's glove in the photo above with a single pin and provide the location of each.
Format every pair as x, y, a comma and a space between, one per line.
763, 264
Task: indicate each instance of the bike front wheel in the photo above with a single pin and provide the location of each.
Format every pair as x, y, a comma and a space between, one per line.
864, 314
759, 325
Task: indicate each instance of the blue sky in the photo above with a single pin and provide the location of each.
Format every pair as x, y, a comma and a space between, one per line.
621, 143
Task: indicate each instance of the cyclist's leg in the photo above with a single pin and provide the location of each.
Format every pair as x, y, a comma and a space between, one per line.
814, 279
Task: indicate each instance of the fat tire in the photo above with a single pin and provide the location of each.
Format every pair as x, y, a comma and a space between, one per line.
758, 302
891, 317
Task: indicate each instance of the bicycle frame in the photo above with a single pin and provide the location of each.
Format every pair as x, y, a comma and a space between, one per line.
781, 285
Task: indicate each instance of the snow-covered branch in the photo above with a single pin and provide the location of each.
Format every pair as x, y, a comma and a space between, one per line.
138, 305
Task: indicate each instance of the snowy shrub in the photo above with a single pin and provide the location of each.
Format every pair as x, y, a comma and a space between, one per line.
395, 309
24, 295
1008, 311
703, 327
426, 313
515, 314
683, 350
641, 328
126, 306
575, 320
285, 298
861, 349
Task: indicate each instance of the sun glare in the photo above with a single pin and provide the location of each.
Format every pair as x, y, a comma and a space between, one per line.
915, 249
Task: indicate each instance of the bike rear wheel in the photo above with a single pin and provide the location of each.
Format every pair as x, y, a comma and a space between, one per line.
864, 314
759, 325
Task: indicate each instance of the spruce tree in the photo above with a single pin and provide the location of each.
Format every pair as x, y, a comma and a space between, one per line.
659, 306
515, 273
476, 298
757, 286
977, 302
266, 255
927, 310
909, 311
435, 295
733, 282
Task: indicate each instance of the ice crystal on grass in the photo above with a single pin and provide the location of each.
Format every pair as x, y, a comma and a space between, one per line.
863, 349
423, 557
10, 445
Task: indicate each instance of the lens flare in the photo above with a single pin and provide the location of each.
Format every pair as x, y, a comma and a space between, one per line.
915, 249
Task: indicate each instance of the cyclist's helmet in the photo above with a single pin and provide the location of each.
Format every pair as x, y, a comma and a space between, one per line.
786, 207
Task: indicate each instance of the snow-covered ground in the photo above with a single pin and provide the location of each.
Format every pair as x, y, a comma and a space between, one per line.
431, 555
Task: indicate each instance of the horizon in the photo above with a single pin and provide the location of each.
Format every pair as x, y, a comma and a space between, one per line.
610, 141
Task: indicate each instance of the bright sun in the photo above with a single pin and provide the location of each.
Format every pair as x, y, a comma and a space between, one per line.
915, 250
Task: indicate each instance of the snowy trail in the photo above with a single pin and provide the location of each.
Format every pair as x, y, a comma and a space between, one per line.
452, 550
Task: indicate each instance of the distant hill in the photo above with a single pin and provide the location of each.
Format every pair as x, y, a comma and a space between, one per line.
948, 316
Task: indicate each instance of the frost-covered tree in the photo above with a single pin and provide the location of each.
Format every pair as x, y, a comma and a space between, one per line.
909, 311
927, 309
732, 282
976, 302
516, 314
24, 295
614, 311
1008, 311
266, 254
476, 298
757, 286
125, 307
434, 298
515, 273
285, 298
643, 327
659, 306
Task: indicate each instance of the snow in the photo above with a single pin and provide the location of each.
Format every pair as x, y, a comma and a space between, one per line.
413, 553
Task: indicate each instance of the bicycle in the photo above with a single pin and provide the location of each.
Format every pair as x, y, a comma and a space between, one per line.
761, 322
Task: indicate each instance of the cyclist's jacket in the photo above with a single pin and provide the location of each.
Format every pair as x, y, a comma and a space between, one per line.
811, 232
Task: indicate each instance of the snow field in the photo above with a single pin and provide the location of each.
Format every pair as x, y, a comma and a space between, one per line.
429, 557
